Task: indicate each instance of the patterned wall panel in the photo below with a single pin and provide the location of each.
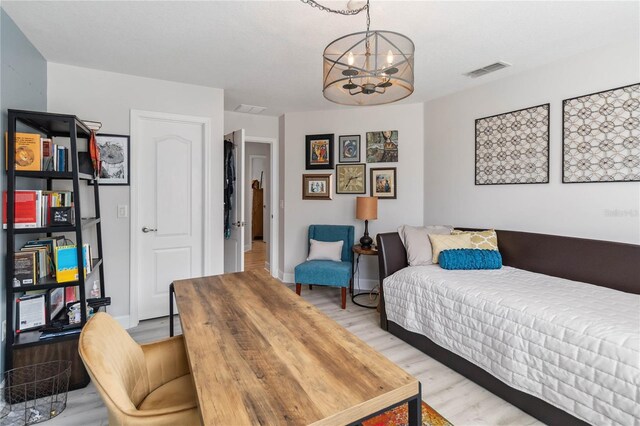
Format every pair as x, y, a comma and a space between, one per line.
513, 147
601, 136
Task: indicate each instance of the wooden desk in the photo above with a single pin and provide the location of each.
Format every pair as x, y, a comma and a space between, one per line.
259, 354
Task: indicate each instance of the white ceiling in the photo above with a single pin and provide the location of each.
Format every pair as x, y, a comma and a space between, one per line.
269, 53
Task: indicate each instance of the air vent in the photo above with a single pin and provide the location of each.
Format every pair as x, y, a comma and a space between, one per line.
250, 109
486, 70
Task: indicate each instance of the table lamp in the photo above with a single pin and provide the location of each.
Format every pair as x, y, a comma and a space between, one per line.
366, 209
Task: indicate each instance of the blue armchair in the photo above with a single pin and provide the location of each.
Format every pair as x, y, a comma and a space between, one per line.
328, 272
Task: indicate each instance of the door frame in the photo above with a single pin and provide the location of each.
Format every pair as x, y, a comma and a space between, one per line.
134, 221
275, 193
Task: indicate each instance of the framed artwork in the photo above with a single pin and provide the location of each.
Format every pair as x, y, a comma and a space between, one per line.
316, 187
319, 152
56, 302
384, 183
601, 136
351, 178
114, 159
513, 147
349, 149
382, 147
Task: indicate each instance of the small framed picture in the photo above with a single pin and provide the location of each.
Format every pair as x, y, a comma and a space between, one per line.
351, 178
316, 187
114, 159
384, 183
56, 302
319, 152
349, 149
382, 146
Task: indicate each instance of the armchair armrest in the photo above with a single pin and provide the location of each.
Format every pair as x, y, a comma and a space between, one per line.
166, 360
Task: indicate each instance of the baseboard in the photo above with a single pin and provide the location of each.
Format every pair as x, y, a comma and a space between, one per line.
267, 266
287, 277
247, 247
124, 321
365, 284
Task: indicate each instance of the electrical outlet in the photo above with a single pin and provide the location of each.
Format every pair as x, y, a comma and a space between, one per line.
123, 211
4, 330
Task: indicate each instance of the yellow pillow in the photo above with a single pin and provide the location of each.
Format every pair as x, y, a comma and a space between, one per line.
447, 242
487, 240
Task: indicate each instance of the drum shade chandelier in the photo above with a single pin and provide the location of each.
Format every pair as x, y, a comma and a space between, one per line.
367, 67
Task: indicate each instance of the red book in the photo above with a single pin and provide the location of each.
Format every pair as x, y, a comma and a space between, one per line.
26, 214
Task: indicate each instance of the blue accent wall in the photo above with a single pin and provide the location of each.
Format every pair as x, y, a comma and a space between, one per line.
23, 85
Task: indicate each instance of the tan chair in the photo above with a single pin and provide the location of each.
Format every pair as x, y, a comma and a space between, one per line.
140, 384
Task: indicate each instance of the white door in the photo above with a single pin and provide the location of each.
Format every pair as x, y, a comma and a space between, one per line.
170, 205
234, 236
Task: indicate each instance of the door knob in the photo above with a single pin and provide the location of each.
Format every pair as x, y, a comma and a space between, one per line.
239, 224
145, 229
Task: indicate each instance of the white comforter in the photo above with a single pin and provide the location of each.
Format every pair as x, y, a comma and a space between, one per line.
574, 345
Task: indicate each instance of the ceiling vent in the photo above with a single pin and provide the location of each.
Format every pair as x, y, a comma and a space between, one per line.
488, 69
250, 109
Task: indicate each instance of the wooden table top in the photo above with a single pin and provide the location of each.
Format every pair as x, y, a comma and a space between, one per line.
260, 354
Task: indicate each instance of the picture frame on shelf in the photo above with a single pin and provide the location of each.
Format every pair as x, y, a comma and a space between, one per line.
114, 159
56, 302
319, 152
384, 183
316, 187
351, 178
349, 149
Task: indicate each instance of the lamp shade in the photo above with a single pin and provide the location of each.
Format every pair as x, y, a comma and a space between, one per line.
367, 208
368, 68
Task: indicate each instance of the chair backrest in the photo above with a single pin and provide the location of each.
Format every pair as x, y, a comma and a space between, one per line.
115, 362
334, 233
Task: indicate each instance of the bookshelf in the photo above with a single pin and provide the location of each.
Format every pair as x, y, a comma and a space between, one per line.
28, 347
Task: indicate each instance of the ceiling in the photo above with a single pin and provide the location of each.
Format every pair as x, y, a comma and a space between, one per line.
269, 53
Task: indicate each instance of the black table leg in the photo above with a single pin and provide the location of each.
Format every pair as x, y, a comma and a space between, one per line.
415, 408
171, 291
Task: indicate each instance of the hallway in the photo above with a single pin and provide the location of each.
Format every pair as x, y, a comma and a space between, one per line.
255, 258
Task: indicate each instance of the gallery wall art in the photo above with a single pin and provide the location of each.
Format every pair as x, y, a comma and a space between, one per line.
349, 149
601, 136
384, 183
513, 147
351, 178
316, 187
319, 152
382, 147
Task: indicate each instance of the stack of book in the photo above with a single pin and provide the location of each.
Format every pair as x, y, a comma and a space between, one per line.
35, 260
35, 153
66, 261
33, 208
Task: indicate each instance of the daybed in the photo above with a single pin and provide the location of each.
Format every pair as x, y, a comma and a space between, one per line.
546, 332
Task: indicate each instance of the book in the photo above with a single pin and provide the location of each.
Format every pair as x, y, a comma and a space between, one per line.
28, 151
47, 154
26, 214
66, 261
30, 312
24, 269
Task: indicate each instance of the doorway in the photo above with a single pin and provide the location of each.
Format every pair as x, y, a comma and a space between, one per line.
257, 205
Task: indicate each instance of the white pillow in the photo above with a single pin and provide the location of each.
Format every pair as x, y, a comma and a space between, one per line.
326, 250
417, 244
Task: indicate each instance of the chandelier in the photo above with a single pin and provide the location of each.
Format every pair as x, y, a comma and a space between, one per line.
367, 67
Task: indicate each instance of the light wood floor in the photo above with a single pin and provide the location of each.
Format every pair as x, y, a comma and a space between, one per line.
455, 397
255, 258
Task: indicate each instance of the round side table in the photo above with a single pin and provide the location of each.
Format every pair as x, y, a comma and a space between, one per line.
359, 251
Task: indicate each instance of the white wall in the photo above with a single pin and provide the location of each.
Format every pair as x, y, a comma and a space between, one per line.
264, 126
607, 211
406, 209
109, 97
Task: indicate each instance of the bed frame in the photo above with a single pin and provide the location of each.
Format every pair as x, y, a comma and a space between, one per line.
603, 263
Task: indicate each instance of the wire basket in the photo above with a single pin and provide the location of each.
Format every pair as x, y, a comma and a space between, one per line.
34, 393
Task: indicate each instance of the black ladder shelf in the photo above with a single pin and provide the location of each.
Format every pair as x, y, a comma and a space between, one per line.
26, 348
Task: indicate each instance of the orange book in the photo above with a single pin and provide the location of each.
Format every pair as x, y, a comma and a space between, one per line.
28, 151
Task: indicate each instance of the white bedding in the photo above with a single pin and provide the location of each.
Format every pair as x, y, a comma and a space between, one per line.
574, 345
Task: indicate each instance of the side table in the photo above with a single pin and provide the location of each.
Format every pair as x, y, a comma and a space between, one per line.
359, 251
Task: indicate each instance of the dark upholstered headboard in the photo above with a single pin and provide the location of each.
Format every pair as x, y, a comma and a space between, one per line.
603, 263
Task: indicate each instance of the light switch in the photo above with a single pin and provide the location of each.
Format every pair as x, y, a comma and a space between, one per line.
123, 211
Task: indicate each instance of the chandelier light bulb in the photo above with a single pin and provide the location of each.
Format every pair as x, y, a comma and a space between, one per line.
389, 57
350, 59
